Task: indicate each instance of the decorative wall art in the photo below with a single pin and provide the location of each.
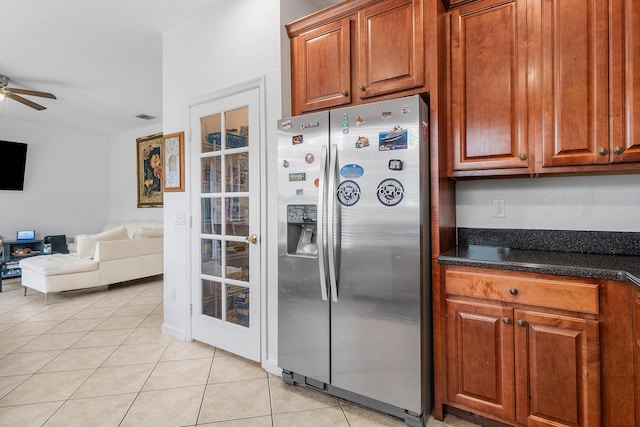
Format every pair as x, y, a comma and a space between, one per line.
173, 155
150, 171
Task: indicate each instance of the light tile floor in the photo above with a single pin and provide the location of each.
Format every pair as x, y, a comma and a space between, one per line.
98, 358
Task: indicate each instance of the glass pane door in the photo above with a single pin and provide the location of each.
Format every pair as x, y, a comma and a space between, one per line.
228, 290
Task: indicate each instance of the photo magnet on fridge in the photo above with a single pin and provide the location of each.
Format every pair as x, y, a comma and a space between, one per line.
394, 140
298, 139
298, 176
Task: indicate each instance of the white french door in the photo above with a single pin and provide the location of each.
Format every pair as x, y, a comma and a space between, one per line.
225, 288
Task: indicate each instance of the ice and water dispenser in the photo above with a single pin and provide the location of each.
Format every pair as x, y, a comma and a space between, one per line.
302, 229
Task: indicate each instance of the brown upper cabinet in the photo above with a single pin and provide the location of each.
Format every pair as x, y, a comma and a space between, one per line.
543, 86
355, 52
489, 111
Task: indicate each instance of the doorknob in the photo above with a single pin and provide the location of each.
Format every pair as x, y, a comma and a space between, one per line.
251, 239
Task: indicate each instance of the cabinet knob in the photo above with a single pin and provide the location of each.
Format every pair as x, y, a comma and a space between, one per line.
603, 151
523, 156
521, 323
345, 93
362, 87
506, 320
513, 291
618, 150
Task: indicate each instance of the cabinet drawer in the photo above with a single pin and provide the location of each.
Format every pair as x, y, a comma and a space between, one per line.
542, 292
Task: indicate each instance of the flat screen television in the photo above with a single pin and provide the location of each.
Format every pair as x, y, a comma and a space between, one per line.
13, 159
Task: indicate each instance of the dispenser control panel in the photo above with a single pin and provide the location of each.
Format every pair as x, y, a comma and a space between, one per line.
300, 214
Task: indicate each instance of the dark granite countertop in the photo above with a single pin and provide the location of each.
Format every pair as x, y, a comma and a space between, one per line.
595, 266
591, 254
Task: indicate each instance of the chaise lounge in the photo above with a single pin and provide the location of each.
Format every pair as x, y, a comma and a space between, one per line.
124, 250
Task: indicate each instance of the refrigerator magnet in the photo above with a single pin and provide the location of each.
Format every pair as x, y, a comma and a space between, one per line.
297, 177
348, 193
299, 192
360, 121
351, 171
285, 163
286, 125
297, 139
393, 140
390, 192
386, 115
316, 182
362, 142
395, 165
309, 158
309, 125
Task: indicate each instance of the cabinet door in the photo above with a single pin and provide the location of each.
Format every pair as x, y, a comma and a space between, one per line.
625, 82
489, 86
321, 67
391, 48
574, 82
480, 357
557, 370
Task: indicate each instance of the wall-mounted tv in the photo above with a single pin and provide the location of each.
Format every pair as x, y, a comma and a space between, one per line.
13, 159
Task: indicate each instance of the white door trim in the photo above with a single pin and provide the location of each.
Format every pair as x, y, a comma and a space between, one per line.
260, 84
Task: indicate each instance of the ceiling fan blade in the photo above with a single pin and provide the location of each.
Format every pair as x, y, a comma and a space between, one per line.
25, 101
32, 93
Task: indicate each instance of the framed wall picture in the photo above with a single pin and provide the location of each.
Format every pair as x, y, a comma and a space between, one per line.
150, 171
173, 155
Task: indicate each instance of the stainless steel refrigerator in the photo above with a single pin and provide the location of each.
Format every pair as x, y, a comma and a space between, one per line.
354, 317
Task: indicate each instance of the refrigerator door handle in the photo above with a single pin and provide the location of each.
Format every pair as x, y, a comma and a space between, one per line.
332, 218
320, 223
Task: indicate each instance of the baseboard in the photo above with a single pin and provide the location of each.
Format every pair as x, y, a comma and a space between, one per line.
174, 332
271, 366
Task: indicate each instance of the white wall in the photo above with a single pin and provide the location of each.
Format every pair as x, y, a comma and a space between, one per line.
599, 203
237, 42
123, 178
66, 189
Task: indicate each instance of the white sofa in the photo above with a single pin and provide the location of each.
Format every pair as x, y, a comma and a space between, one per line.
124, 250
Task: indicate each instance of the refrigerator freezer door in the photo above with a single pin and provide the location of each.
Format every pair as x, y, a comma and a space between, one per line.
303, 314
375, 325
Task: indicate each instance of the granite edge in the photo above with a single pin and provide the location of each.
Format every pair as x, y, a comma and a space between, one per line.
558, 270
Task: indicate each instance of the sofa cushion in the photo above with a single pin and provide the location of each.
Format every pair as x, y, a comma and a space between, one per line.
142, 232
86, 243
53, 265
132, 225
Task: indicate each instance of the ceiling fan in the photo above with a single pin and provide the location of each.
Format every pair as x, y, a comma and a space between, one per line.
14, 94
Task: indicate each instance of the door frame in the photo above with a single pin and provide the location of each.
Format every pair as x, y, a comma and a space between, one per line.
257, 83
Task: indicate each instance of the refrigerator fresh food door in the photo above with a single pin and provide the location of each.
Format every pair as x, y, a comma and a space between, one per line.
303, 306
376, 234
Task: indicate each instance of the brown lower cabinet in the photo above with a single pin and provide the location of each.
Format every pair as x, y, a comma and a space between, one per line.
538, 350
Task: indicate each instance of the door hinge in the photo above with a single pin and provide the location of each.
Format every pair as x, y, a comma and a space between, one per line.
190, 222
191, 309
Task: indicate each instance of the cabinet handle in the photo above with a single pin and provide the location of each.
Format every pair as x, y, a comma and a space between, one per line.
618, 150
521, 323
603, 151
362, 87
513, 291
506, 320
345, 93
523, 156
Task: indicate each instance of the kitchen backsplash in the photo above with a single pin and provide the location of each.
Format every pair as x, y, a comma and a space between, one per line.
603, 202
597, 242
